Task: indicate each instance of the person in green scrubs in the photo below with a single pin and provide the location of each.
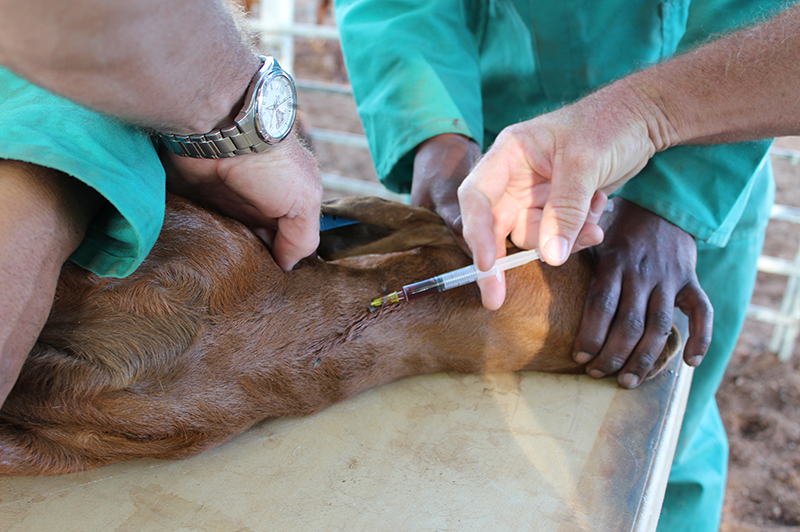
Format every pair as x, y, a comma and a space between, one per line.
440, 79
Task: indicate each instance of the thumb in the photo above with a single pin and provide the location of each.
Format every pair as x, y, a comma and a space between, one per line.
296, 238
288, 251
564, 215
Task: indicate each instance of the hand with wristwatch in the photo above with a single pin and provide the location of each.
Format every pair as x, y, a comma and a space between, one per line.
255, 169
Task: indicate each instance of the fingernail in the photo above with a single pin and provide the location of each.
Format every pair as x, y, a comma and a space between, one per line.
629, 380
695, 361
557, 249
596, 374
582, 358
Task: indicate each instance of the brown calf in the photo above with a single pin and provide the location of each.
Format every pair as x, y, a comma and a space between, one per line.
209, 336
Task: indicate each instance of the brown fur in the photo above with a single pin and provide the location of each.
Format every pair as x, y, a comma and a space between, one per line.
209, 336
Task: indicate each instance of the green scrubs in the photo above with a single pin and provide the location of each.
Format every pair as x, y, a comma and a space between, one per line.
117, 160
420, 68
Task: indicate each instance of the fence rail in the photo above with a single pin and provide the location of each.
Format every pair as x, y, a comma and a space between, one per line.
786, 319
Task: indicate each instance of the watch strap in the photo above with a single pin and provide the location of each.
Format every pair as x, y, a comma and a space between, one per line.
226, 142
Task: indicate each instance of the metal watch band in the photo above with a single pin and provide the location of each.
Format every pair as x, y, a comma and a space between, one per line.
217, 144
239, 138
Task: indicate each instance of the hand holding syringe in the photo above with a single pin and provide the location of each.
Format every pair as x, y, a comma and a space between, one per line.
462, 276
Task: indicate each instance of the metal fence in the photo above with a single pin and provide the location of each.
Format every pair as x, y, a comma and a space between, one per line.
786, 319
277, 32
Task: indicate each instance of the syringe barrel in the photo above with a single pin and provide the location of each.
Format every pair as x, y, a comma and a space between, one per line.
422, 288
446, 281
462, 276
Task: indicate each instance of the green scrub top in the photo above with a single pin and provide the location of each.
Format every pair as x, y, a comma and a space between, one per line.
421, 68
117, 160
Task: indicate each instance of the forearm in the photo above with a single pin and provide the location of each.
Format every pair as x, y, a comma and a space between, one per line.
741, 87
174, 66
43, 216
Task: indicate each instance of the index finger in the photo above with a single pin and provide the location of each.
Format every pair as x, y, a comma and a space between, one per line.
477, 219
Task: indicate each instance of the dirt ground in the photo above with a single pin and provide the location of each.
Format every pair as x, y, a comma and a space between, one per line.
760, 395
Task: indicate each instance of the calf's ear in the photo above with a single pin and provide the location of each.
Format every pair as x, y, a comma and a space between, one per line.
671, 349
381, 226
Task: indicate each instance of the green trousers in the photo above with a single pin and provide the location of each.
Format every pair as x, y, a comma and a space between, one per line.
696, 488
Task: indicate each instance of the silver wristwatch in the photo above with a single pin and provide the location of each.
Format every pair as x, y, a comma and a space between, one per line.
267, 117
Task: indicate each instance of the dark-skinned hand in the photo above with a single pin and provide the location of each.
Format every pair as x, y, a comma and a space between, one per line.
440, 166
644, 268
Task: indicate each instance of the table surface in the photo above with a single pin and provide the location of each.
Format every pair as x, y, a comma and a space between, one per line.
508, 451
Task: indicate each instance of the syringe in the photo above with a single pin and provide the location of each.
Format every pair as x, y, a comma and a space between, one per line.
462, 276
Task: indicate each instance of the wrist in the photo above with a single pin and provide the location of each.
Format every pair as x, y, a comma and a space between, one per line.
236, 99
655, 113
264, 118
221, 108
441, 163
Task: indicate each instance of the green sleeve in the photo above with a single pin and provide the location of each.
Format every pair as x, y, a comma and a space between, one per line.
415, 73
704, 189
117, 160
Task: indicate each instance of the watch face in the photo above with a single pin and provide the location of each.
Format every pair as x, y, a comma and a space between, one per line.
276, 108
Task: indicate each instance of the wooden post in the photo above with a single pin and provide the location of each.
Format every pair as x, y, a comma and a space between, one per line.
275, 14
